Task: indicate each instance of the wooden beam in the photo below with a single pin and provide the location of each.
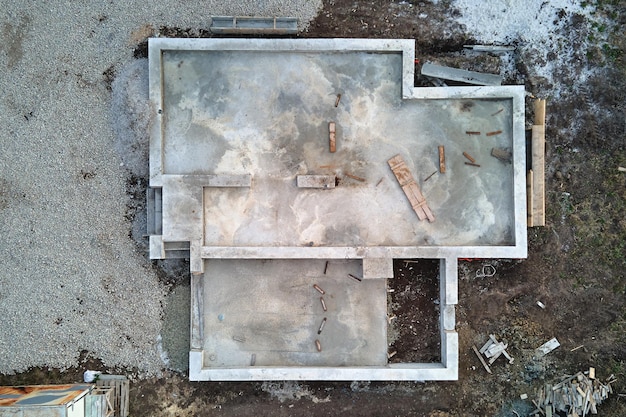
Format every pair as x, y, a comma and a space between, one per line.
540, 112
538, 167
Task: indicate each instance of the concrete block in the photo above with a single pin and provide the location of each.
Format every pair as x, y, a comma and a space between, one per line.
157, 248
377, 268
316, 181
448, 319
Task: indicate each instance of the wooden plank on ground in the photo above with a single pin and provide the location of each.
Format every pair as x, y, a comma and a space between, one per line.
540, 112
410, 188
481, 359
538, 167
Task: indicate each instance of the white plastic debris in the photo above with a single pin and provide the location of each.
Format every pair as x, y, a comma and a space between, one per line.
548, 347
90, 376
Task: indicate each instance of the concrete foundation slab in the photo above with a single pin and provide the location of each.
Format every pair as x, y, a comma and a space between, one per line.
241, 157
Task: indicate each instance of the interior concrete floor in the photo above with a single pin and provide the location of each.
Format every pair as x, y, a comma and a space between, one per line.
266, 114
270, 309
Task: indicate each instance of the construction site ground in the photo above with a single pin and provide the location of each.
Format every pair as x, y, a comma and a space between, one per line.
576, 265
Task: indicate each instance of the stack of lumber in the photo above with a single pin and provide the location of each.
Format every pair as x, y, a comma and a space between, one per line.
577, 395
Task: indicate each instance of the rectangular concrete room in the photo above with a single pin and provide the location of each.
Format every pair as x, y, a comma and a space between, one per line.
240, 154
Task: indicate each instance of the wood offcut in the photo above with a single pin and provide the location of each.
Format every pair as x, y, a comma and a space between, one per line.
410, 188
442, 159
332, 137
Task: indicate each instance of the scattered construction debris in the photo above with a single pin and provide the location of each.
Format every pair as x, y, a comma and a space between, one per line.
442, 159
354, 177
472, 132
495, 132
354, 277
496, 113
621, 169
317, 287
469, 157
487, 271
536, 176
472, 164
430, 176
547, 347
318, 345
577, 347
319, 331
464, 76
332, 137
577, 395
337, 100
410, 188
323, 304
502, 154
493, 349
482, 360
490, 48
540, 304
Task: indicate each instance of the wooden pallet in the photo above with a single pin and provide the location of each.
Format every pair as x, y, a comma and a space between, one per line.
410, 188
99, 403
120, 386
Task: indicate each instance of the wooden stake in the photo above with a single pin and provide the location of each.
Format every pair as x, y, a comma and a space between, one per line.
442, 159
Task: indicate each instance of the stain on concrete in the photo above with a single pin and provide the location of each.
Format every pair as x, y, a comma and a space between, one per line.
13, 34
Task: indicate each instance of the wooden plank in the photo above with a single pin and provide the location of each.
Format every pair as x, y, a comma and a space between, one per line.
442, 159
529, 199
540, 112
538, 167
332, 137
481, 359
410, 188
455, 74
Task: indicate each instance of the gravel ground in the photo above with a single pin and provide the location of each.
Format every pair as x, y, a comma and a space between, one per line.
72, 280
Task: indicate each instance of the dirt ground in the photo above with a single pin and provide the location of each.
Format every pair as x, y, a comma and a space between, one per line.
576, 265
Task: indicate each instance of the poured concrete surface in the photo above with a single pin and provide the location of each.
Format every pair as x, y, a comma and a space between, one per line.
237, 121
236, 113
270, 308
